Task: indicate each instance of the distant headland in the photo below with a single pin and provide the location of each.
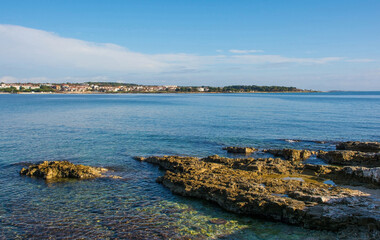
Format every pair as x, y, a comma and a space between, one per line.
114, 87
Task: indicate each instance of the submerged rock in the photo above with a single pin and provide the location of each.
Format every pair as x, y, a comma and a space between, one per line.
62, 169
351, 158
291, 154
359, 146
218, 221
243, 150
265, 188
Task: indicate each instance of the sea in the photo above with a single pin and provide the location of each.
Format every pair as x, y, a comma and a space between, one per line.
108, 130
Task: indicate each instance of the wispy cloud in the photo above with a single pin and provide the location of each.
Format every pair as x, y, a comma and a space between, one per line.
28, 54
20, 45
275, 59
237, 51
360, 60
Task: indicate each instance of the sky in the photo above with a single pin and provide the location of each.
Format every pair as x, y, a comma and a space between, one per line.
309, 44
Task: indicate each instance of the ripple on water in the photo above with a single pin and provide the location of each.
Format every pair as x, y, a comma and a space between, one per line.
106, 130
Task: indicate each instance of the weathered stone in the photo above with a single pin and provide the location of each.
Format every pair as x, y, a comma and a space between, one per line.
349, 175
369, 174
271, 188
291, 154
62, 169
359, 146
351, 158
242, 150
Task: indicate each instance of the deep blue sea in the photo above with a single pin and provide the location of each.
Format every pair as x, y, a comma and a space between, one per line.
108, 130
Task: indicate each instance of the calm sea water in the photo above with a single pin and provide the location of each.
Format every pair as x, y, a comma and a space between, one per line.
108, 130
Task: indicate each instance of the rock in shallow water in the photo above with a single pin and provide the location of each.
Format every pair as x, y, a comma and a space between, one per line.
351, 158
256, 187
291, 154
62, 169
359, 146
241, 150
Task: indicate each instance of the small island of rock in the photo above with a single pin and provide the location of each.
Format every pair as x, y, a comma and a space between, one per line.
62, 169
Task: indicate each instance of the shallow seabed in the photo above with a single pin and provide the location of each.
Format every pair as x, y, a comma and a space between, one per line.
108, 130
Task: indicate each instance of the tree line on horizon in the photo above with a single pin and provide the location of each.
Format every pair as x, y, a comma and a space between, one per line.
241, 88
226, 89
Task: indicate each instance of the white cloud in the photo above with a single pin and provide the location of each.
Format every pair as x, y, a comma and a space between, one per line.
360, 60
20, 45
237, 51
276, 59
31, 55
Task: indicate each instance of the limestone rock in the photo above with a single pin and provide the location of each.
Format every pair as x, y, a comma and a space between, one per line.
61, 169
242, 150
370, 174
272, 189
359, 146
351, 158
291, 154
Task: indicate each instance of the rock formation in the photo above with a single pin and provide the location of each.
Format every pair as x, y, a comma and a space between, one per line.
61, 169
291, 154
242, 150
351, 158
359, 146
275, 189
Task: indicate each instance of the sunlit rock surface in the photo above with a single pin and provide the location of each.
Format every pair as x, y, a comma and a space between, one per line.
291, 154
241, 150
62, 169
351, 158
359, 146
275, 189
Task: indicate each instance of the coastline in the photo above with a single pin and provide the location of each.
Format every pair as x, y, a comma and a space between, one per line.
156, 92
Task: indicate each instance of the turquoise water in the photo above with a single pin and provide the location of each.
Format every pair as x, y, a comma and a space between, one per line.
108, 130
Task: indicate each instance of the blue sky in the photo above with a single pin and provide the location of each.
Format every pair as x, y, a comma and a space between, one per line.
316, 44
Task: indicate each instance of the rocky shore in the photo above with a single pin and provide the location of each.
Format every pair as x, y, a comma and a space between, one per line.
62, 169
242, 150
359, 146
291, 154
285, 190
351, 158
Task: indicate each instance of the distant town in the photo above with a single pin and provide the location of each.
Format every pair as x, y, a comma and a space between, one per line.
114, 87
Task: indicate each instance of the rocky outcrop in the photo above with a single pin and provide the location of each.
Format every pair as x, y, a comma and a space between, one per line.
369, 174
291, 154
275, 189
241, 150
62, 169
359, 146
351, 158
348, 175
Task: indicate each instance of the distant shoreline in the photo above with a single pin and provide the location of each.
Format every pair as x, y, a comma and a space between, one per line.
120, 93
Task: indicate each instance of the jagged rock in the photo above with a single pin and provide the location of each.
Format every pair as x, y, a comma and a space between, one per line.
291, 154
351, 158
349, 175
370, 174
359, 146
61, 169
270, 188
243, 150
257, 166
